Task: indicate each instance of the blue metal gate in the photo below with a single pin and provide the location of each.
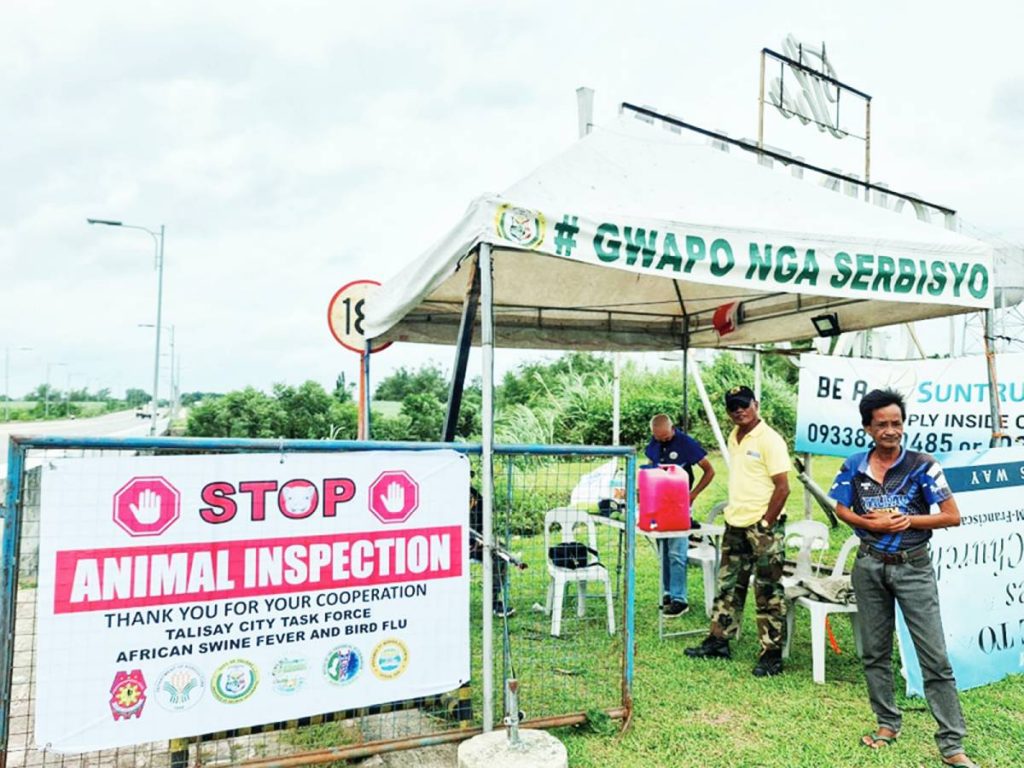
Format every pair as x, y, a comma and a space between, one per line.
585, 668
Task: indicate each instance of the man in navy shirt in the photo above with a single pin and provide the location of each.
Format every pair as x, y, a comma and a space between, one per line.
886, 495
670, 445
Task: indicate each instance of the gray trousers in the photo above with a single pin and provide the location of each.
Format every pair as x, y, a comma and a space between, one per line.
879, 586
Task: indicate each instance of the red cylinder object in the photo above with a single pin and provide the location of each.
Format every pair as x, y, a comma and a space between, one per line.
664, 499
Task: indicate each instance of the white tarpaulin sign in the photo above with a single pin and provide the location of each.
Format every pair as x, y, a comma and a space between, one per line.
980, 571
184, 595
856, 266
947, 402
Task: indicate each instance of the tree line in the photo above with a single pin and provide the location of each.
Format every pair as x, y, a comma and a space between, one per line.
568, 400
46, 401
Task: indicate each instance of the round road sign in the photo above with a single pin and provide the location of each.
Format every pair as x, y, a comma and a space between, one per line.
345, 315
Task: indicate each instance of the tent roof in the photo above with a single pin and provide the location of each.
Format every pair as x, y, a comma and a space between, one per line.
634, 236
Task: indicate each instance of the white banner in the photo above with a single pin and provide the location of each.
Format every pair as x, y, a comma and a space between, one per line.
947, 402
189, 594
980, 571
860, 266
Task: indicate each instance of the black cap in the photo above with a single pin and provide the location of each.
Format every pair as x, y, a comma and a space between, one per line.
739, 397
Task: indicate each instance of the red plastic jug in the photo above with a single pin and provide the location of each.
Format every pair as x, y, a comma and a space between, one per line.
664, 499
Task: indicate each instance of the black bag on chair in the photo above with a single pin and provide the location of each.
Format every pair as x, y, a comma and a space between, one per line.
572, 555
609, 507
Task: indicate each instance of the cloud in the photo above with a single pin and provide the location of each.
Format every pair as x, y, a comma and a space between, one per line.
1007, 109
291, 149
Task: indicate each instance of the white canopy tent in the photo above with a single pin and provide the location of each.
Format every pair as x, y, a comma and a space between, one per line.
669, 230
636, 236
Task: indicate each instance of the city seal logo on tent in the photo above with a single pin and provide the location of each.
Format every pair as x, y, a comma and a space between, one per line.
289, 675
390, 658
127, 695
234, 681
342, 665
180, 687
520, 225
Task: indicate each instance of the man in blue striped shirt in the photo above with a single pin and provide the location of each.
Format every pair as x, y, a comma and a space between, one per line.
887, 495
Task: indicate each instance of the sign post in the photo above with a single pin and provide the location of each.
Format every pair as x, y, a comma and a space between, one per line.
345, 319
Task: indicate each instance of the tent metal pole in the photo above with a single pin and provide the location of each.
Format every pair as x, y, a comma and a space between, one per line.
712, 418
616, 396
465, 341
757, 373
993, 383
808, 496
686, 356
484, 265
912, 334
686, 389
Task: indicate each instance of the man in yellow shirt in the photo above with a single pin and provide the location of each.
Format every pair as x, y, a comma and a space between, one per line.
754, 536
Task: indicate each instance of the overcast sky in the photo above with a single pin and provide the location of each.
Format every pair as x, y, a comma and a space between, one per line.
291, 147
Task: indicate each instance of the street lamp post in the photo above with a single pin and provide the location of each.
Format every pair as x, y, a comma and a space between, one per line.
171, 385
7, 378
158, 240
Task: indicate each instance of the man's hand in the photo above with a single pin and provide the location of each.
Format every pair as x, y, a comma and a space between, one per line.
885, 521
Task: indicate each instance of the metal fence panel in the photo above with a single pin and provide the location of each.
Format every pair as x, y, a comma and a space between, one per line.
561, 678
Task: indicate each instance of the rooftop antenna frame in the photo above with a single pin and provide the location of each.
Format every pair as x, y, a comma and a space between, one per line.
799, 66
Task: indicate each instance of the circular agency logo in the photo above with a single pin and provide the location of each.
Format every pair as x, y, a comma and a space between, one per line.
520, 225
234, 681
179, 688
128, 694
342, 665
390, 658
289, 675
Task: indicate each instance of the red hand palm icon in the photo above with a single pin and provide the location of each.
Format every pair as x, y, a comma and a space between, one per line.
147, 509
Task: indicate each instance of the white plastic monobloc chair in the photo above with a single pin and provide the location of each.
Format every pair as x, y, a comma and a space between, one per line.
706, 555
808, 536
568, 520
820, 609
799, 533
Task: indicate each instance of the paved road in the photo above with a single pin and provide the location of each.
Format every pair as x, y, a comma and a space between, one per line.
119, 424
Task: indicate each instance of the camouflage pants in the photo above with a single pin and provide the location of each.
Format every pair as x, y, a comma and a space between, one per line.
746, 551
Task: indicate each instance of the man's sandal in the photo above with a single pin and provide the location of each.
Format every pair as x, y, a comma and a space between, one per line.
966, 762
877, 741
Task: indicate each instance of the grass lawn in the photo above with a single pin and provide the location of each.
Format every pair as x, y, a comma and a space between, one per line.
691, 712
19, 410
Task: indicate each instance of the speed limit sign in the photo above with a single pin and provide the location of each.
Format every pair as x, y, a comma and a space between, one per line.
345, 315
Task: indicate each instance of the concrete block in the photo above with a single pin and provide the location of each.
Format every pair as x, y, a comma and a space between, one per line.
539, 749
